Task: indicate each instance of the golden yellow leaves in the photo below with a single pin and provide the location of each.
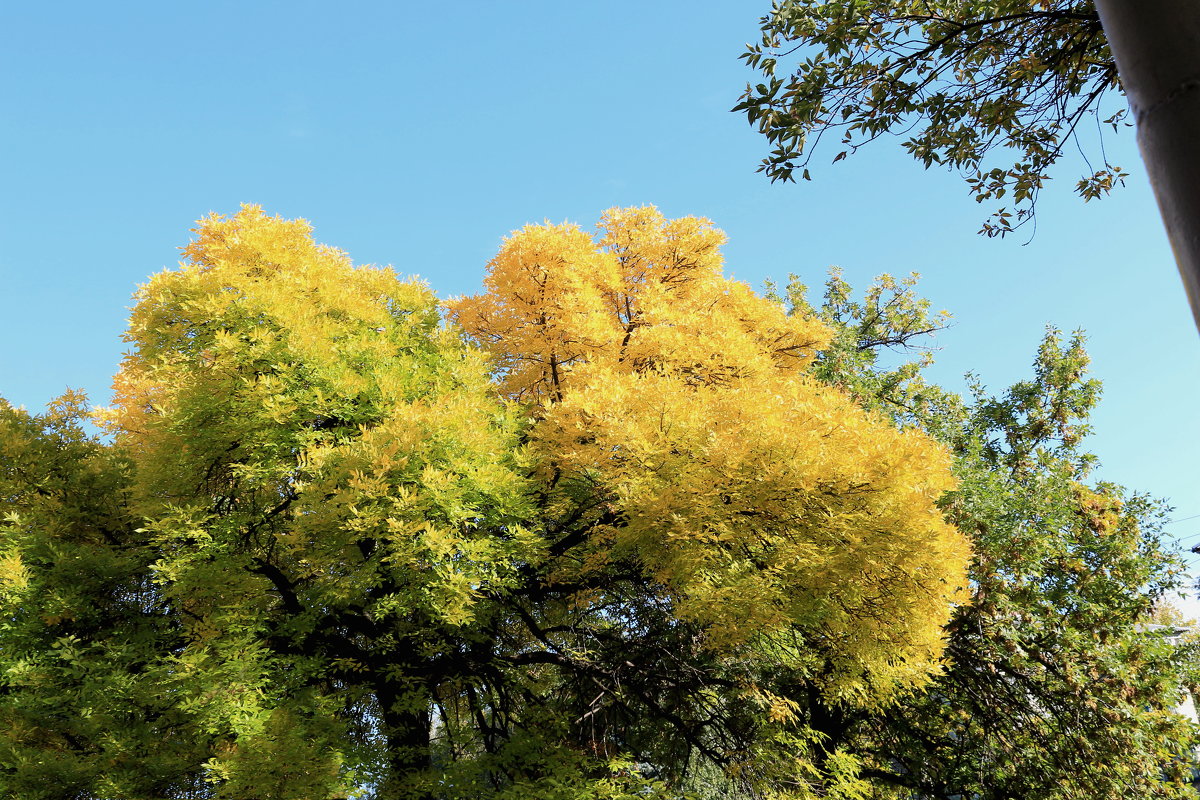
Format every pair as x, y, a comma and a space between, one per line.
14, 577
315, 414
1102, 512
648, 294
764, 503
770, 504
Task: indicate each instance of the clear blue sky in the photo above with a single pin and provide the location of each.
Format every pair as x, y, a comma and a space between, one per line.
419, 134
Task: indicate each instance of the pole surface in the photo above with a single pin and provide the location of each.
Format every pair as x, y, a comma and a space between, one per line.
1156, 44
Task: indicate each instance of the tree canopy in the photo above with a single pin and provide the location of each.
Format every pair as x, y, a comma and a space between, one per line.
624, 529
969, 85
1058, 684
330, 549
1060, 681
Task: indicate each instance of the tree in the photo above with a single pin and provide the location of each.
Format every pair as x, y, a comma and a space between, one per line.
976, 83
723, 508
326, 555
969, 84
317, 483
1057, 685
89, 702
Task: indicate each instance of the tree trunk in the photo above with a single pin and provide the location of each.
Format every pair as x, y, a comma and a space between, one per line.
407, 737
1156, 44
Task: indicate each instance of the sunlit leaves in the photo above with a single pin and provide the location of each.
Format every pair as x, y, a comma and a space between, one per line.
659, 534
677, 399
1054, 663
86, 705
965, 84
322, 471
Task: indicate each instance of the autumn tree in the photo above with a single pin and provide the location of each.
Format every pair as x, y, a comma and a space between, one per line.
667, 536
1058, 683
330, 549
713, 504
314, 486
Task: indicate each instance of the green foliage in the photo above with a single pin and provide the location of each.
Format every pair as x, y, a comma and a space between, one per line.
1058, 684
322, 557
969, 84
90, 702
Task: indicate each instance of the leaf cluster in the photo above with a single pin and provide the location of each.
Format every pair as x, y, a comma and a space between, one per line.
967, 84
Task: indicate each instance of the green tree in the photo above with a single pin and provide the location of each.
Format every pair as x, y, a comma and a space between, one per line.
1057, 683
973, 84
968, 84
89, 702
1055, 687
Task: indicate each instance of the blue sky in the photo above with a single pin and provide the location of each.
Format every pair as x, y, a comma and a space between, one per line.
419, 135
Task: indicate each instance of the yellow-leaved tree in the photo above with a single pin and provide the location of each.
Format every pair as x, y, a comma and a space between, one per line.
678, 443
329, 486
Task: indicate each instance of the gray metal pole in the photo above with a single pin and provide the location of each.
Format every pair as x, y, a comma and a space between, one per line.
1157, 47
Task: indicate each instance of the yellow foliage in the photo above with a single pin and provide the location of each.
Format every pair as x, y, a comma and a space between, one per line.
672, 403
1101, 511
305, 411
14, 577
647, 296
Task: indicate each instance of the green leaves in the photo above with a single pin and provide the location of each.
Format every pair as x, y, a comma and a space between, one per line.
966, 84
1055, 685
86, 704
